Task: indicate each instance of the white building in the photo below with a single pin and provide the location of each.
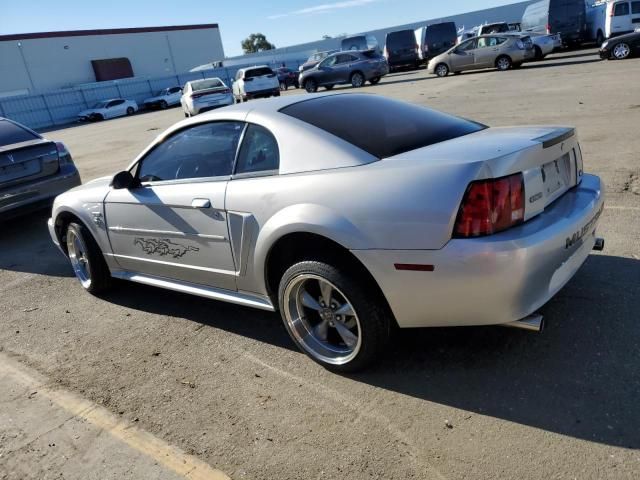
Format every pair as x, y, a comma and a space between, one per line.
37, 62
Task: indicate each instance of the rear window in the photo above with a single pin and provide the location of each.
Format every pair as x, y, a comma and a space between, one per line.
258, 72
403, 38
441, 31
11, 133
206, 84
379, 125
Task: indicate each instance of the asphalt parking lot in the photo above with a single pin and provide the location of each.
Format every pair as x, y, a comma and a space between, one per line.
224, 386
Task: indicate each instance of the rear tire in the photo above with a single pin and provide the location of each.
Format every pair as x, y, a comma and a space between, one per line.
374, 80
503, 63
357, 79
600, 38
329, 87
164, 105
538, 53
332, 316
130, 110
86, 259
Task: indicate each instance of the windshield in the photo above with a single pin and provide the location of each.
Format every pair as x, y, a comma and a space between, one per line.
11, 133
258, 72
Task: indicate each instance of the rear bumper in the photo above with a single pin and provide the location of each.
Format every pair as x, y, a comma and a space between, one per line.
263, 93
26, 197
201, 107
496, 279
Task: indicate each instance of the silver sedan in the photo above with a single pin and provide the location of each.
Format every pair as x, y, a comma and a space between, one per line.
414, 218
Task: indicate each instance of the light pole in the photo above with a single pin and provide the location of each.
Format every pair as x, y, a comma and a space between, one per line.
26, 67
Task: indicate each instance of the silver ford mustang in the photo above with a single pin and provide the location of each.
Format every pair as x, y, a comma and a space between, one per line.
350, 213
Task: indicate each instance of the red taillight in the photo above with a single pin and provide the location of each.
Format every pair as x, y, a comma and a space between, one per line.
63, 154
202, 94
548, 29
490, 206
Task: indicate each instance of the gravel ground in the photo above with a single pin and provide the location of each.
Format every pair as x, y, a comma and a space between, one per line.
225, 384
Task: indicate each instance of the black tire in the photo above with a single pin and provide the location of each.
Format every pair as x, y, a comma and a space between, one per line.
600, 38
357, 80
130, 110
538, 53
164, 105
311, 86
503, 63
375, 80
329, 87
99, 276
442, 70
621, 51
97, 117
373, 320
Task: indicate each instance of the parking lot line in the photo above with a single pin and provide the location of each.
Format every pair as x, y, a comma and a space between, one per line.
161, 452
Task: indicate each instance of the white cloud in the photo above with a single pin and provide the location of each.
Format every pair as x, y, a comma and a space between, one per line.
324, 8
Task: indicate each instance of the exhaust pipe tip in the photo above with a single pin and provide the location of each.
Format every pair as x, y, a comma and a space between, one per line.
599, 245
532, 323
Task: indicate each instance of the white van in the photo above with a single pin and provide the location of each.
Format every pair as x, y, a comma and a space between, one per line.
610, 18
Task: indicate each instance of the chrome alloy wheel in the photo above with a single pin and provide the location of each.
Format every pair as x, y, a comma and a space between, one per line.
442, 70
79, 258
621, 51
503, 63
322, 320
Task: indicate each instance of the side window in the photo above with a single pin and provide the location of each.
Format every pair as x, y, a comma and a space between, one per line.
115, 103
469, 45
174, 90
483, 42
621, 9
635, 7
201, 151
259, 151
329, 62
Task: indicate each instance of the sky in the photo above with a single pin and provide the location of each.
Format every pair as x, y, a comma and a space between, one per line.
284, 22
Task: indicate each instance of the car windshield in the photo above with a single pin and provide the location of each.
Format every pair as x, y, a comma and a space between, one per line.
11, 133
101, 104
391, 127
206, 84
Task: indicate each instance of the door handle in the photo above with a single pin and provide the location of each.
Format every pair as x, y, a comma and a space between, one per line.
201, 203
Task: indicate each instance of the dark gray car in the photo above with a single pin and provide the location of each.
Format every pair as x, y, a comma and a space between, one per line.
354, 67
33, 170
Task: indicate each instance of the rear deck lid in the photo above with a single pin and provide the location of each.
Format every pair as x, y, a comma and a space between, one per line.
27, 161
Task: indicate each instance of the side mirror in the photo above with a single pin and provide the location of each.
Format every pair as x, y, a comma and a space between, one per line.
122, 180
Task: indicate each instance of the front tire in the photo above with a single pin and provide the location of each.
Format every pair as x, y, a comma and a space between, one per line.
503, 63
164, 105
357, 80
86, 259
442, 70
621, 51
311, 86
332, 316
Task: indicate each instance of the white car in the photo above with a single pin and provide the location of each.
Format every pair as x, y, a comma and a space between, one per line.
164, 98
255, 82
199, 96
116, 107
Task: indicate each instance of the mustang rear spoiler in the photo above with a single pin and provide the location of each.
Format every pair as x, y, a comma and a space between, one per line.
555, 137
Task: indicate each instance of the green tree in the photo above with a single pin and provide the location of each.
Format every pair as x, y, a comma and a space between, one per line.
256, 42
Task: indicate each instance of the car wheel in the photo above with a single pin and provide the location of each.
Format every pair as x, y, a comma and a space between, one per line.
186, 115
600, 38
332, 317
311, 86
357, 80
329, 87
503, 63
374, 80
130, 110
442, 70
163, 105
86, 259
538, 53
621, 51
97, 117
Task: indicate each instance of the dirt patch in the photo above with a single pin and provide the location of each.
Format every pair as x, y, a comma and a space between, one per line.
633, 184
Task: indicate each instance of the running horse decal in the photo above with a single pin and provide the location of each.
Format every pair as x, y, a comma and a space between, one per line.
163, 247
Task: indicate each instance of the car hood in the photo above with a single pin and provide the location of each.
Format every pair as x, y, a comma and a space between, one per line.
96, 183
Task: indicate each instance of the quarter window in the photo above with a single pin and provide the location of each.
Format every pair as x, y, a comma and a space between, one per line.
621, 9
259, 151
201, 151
